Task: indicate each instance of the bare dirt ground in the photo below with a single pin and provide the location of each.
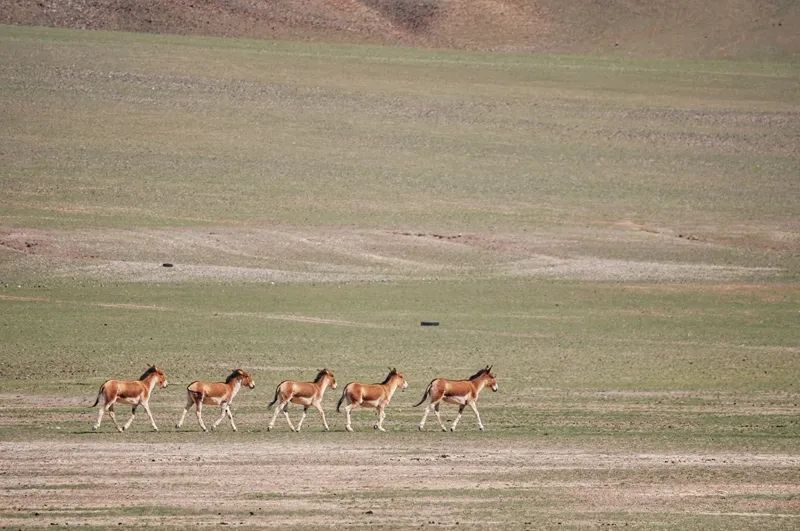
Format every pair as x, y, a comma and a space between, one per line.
367, 482
341, 255
733, 28
71, 476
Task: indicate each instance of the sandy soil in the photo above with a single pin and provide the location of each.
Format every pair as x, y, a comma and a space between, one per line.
367, 482
339, 255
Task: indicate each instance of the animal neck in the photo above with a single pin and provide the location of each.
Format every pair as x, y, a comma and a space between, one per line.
235, 386
322, 385
150, 382
392, 387
479, 384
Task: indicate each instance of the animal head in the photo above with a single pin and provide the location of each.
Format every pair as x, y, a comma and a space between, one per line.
486, 375
395, 374
492, 380
326, 373
159, 374
243, 377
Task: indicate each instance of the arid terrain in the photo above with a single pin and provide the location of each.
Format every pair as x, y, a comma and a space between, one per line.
640, 28
598, 198
473, 484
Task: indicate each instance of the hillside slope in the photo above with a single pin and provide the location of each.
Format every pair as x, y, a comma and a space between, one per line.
658, 28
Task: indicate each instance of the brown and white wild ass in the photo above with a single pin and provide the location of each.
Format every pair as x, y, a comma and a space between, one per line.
215, 394
461, 392
371, 395
133, 392
306, 394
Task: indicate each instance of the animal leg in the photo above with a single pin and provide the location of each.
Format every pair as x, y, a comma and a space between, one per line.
100, 411
199, 412
475, 409
381, 416
130, 420
110, 408
230, 416
438, 416
458, 417
223, 412
274, 416
114, 417
302, 418
150, 415
322, 412
286, 414
424, 417
189, 403
347, 409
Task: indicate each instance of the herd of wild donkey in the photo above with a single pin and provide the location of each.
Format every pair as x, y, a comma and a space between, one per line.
137, 393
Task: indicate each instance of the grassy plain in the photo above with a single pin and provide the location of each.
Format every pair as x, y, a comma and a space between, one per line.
619, 238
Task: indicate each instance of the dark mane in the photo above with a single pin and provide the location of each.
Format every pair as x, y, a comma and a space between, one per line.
148, 372
235, 374
321, 375
389, 376
478, 374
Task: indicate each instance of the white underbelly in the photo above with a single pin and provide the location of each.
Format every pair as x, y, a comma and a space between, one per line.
212, 400
129, 401
302, 400
460, 400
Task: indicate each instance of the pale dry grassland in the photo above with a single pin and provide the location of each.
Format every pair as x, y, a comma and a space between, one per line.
619, 238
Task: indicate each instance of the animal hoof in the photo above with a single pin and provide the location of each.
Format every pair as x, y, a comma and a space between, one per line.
480, 428
94, 428
269, 428
419, 428
375, 426
444, 430
348, 428
120, 430
234, 429
452, 429
155, 429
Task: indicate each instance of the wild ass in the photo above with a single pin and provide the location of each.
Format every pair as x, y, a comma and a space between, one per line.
371, 395
461, 392
215, 394
132, 392
306, 394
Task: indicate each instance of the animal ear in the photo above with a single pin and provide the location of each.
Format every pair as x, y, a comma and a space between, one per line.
490, 368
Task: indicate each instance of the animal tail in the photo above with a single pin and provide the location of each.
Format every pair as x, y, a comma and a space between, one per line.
99, 393
426, 393
275, 398
344, 394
